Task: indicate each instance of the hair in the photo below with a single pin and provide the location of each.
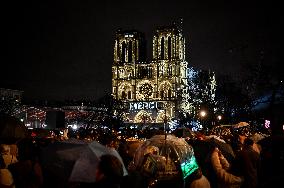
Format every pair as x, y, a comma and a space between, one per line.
5, 149
111, 167
248, 142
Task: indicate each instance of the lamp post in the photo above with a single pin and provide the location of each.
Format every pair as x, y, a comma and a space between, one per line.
164, 108
217, 121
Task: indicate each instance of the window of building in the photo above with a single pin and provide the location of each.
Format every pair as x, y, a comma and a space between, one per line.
123, 95
162, 48
170, 93
123, 51
169, 48
162, 94
130, 52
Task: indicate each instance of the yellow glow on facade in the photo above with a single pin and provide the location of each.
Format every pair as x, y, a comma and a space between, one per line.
162, 80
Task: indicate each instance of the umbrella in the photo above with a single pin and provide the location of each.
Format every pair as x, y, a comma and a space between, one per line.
11, 129
84, 169
58, 165
165, 158
221, 131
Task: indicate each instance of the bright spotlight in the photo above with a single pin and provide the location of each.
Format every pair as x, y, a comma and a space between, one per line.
219, 117
202, 113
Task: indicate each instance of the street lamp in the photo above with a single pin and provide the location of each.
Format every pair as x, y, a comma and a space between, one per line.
219, 117
203, 113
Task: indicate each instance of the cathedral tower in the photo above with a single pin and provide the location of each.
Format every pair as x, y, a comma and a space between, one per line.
156, 90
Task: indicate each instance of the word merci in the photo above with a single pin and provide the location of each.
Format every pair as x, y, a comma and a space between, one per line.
142, 105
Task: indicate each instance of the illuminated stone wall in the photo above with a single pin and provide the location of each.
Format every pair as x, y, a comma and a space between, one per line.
154, 91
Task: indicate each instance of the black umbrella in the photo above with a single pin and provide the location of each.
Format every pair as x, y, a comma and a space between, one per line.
58, 168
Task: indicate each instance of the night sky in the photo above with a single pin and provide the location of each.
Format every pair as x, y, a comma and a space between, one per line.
64, 49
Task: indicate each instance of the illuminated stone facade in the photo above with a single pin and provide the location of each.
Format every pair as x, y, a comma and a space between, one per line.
153, 91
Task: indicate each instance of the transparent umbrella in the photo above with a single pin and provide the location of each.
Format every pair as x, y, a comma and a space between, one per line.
165, 158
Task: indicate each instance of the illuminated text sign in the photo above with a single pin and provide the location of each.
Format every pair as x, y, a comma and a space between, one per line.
142, 105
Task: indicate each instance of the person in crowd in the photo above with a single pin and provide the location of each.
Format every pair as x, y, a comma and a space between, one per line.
7, 156
14, 149
249, 162
109, 173
6, 178
123, 150
197, 179
221, 167
27, 172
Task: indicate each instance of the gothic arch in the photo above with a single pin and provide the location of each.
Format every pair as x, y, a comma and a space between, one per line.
169, 48
143, 117
162, 118
123, 51
130, 52
123, 90
162, 48
165, 90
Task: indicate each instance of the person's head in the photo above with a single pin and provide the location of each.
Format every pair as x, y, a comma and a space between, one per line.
151, 150
5, 149
109, 168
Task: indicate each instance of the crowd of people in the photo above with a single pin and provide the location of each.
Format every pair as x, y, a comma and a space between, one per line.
223, 161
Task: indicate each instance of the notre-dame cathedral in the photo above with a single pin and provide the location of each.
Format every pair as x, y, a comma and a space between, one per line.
154, 91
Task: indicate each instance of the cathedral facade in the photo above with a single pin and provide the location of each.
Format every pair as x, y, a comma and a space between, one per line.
153, 91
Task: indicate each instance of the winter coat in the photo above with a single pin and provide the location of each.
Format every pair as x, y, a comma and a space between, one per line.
201, 182
249, 161
6, 178
221, 167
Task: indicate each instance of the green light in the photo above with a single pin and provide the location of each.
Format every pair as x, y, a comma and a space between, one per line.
188, 167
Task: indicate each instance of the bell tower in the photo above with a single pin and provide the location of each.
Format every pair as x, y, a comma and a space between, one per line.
168, 44
129, 47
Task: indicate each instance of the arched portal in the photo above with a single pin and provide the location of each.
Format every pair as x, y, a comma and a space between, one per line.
143, 117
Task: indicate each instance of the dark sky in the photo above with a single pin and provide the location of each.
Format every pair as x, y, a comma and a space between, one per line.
55, 49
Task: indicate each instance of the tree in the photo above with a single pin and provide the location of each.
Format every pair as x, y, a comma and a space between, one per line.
9, 105
232, 102
263, 81
114, 114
